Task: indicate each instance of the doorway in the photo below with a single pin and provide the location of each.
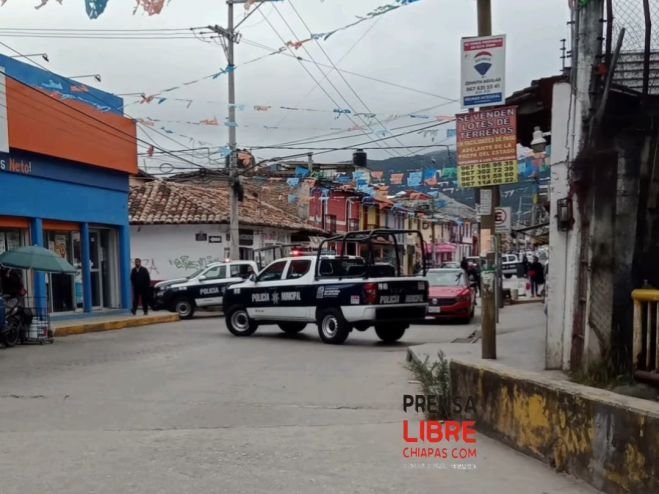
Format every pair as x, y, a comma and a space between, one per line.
65, 290
104, 268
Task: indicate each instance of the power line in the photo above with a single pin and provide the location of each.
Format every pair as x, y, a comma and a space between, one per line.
306, 69
280, 51
131, 139
354, 45
360, 147
340, 94
91, 94
335, 67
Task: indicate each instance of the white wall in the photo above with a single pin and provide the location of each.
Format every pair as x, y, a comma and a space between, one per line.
171, 251
558, 241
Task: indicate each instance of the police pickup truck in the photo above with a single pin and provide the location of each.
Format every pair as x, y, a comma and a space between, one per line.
205, 288
338, 293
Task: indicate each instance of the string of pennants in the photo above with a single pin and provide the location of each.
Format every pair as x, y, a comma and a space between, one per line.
95, 8
215, 122
297, 44
377, 183
264, 108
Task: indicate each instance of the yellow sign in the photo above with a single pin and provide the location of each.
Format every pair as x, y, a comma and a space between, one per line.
487, 147
502, 172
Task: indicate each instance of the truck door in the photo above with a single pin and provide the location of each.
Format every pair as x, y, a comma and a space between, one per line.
210, 288
263, 300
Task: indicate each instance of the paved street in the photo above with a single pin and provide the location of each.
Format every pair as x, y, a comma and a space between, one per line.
188, 408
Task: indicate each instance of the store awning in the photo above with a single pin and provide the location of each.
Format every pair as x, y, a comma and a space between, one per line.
442, 248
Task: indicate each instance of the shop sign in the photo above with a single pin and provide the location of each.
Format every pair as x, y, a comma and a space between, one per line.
487, 147
9, 164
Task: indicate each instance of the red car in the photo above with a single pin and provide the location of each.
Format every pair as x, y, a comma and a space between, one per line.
450, 295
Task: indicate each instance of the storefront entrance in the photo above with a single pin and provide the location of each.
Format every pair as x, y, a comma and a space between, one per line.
104, 271
65, 291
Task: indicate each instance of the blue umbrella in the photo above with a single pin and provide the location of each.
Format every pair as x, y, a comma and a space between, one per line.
36, 258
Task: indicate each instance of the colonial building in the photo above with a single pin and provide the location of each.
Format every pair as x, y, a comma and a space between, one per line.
178, 228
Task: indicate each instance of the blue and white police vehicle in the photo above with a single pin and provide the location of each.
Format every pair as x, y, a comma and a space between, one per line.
339, 293
202, 289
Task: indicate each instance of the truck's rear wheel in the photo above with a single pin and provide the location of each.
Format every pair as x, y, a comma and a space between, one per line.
292, 327
239, 323
332, 326
184, 308
389, 333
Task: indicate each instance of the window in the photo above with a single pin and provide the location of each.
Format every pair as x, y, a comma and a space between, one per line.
241, 270
331, 223
298, 269
217, 272
273, 272
353, 224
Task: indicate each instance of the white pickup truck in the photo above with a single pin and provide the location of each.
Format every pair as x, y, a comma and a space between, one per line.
205, 288
509, 265
338, 293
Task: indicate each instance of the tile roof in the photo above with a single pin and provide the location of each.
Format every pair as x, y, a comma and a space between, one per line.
160, 202
272, 190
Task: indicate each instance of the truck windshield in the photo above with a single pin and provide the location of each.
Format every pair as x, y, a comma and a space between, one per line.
196, 273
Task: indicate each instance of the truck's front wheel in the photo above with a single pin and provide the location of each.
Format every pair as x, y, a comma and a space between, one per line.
332, 326
185, 308
239, 323
388, 333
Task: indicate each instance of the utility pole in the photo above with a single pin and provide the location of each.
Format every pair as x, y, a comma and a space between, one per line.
488, 295
234, 179
229, 37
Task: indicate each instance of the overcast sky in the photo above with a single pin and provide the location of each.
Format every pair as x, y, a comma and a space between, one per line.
416, 46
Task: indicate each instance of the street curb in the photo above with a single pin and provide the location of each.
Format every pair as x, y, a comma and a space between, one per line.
96, 327
609, 440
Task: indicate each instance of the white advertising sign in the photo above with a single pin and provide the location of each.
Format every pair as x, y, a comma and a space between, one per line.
4, 128
485, 207
483, 71
502, 220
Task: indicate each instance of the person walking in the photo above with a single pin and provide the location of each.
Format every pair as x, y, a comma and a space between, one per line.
537, 276
141, 281
525, 265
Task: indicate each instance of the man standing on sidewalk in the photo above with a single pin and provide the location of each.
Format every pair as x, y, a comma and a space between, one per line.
141, 281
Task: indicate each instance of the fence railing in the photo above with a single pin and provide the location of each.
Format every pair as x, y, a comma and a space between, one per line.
646, 334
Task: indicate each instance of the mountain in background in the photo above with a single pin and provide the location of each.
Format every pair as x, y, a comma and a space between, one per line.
518, 196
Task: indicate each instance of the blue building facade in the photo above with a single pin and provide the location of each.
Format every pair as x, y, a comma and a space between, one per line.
64, 179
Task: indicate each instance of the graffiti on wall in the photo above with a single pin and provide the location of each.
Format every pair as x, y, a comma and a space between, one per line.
189, 263
149, 264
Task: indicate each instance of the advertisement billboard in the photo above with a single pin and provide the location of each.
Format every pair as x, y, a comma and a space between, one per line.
487, 147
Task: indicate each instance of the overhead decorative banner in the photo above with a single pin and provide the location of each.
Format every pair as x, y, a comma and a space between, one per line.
483, 71
95, 8
487, 147
382, 9
414, 179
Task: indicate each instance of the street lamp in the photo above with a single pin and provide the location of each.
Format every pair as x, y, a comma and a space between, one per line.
539, 143
42, 55
95, 76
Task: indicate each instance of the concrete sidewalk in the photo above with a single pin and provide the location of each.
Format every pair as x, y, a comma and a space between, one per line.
609, 440
520, 340
93, 324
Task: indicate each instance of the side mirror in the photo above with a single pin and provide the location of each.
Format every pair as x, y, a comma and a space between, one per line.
252, 277
202, 278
